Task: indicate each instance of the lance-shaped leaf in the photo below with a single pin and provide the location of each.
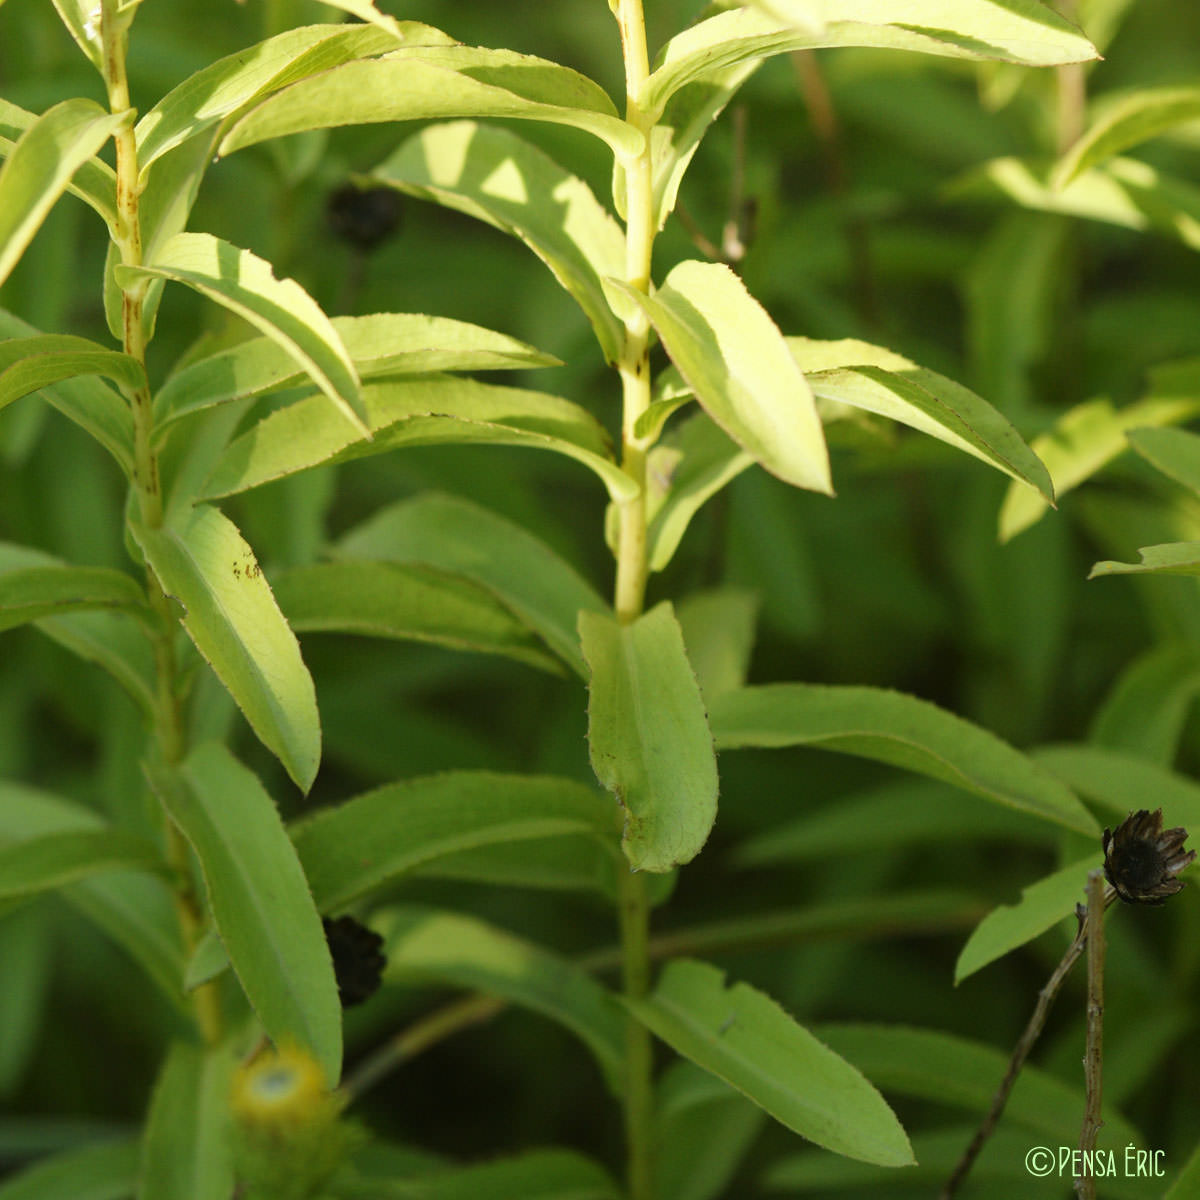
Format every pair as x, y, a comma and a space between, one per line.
451, 534
429, 945
426, 411
105, 1170
187, 1151
1041, 906
281, 308
259, 899
877, 381
379, 345
40, 166
393, 600
534, 1175
743, 1036
1171, 558
1175, 452
381, 835
1084, 440
1125, 122
231, 615
438, 81
1021, 31
737, 363
32, 592
82, 20
32, 363
497, 177
206, 98
648, 735
92, 405
57, 859
94, 182
897, 729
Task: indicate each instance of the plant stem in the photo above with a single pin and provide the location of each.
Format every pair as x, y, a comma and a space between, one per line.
168, 722
1093, 1061
630, 591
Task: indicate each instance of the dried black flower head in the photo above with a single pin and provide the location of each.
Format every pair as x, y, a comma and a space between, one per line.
364, 217
358, 959
1141, 859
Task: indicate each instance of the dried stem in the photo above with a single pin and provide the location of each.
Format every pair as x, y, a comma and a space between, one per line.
1085, 1187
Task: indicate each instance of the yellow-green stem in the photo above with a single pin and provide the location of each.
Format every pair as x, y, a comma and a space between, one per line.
634, 367
168, 724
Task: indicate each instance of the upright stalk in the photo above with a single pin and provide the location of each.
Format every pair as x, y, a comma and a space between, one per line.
168, 723
1093, 1062
634, 368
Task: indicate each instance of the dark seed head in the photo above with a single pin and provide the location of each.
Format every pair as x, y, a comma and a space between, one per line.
358, 959
364, 217
1142, 860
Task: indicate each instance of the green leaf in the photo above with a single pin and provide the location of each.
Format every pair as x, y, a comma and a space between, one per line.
246, 285
961, 1073
1172, 558
186, 1151
92, 405
425, 411
371, 839
1184, 1184
103, 1171
877, 381
236, 625
95, 182
391, 600
648, 735
380, 345
897, 729
1041, 906
83, 23
497, 177
33, 592
745, 1038
40, 167
535, 1175
30, 364
705, 1129
429, 945
424, 82
718, 631
206, 98
453, 535
1083, 441
56, 859
1175, 452
259, 898
737, 363
1126, 121
1020, 31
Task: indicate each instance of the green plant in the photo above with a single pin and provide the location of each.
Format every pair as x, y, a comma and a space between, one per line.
199, 872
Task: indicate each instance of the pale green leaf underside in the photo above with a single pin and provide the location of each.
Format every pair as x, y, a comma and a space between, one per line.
431, 945
450, 534
1085, 439
495, 176
404, 601
380, 345
259, 898
82, 20
372, 839
1021, 31
94, 182
186, 1149
743, 1036
31, 363
897, 729
280, 308
1175, 452
427, 82
1041, 906
40, 167
648, 735
425, 411
32, 592
57, 859
1125, 122
91, 404
232, 617
206, 98
738, 365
